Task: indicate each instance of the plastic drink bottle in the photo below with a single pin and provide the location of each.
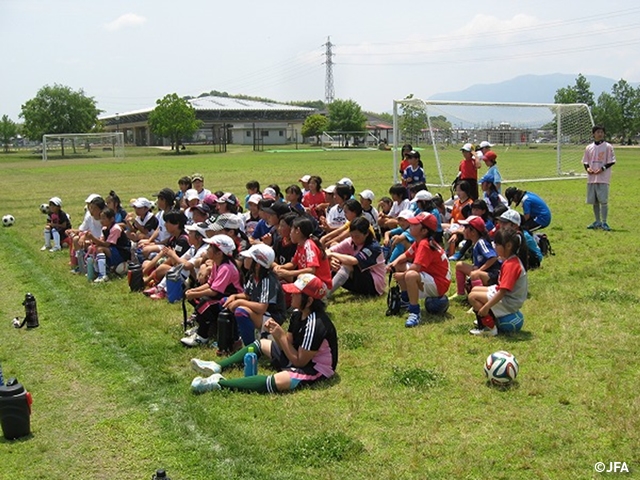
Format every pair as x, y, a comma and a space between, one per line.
250, 363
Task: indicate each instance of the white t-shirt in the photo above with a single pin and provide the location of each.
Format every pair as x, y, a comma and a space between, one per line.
336, 217
396, 208
90, 224
163, 234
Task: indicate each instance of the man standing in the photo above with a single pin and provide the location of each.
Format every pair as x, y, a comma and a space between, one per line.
598, 160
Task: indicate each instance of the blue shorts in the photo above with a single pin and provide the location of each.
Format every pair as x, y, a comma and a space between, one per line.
116, 258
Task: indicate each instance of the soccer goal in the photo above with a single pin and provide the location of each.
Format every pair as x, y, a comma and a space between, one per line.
363, 139
533, 141
83, 145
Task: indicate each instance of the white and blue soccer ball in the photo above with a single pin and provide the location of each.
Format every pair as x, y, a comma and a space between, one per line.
501, 368
44, 208
8, 220
510, 323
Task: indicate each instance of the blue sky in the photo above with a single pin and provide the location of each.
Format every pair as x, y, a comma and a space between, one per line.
127, 54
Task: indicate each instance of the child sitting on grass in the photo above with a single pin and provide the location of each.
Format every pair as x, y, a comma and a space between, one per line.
113, 248
423, 270
263, 297
304, 354
57, 225
495, 301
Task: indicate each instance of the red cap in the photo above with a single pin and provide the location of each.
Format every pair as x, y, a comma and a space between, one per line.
490, 156
309, 285
426, 219
475, 222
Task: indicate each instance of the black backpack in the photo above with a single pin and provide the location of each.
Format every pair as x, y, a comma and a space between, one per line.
393, 298
544, 244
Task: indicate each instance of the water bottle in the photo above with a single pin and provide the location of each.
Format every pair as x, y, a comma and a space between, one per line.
15, 410
250, 363
225, 330
91, 271
31, 310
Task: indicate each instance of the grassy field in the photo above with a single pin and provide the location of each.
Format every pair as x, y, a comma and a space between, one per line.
110, 379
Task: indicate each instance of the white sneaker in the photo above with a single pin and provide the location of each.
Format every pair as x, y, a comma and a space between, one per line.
484, 332
194, 340
102, 279
55, 249
191, 331
205, 368
201, 385
45, 248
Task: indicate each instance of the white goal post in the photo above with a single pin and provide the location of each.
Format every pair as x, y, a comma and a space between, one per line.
88, 145
552, 135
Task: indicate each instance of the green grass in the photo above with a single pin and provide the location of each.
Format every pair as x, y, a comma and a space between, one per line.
110, 380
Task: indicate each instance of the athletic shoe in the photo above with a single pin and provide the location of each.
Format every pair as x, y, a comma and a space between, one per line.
204, 367
455, 257
75, 270
55, 249
194, 340
102, 279
202, 385
605, 226
594, 226
413, 320
484, 332
458, 298
190, 331
45, 247
471, 311
159, 295
150, 291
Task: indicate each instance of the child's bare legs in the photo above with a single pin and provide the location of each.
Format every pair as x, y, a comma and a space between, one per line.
478, 297
479, 275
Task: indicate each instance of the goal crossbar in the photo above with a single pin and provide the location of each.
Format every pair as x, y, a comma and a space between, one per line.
106, 144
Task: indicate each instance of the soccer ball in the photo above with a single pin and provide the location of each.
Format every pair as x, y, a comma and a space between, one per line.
510, 323
154, 205
437, 305
44, 208
501, 368
8, 220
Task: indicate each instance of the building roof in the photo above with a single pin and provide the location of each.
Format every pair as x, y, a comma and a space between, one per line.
229, 104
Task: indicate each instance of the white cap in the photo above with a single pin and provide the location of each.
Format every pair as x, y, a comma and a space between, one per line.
485, 144
329, 189
467, 147
56, 201
406, 214
368, 194
261, 253
91, 197
304, 178
510, 216
191, 194
345, 181
423, 195
269, 193
203, 228
255, 198
223, 242
141, 203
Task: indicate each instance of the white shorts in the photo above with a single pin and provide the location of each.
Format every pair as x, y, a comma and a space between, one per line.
499, 310
429, 288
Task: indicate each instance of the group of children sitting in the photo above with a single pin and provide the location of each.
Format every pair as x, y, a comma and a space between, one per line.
273, 251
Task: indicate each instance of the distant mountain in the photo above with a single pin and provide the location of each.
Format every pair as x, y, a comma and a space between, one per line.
526, 88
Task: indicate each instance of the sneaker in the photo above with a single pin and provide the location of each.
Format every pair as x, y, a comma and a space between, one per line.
194, 340
484, 332
190, 331
412, 321
159, 295
595, 226
205, 368
102, 279
471, 311
150, 291
202, 385
75, 270
605, 226
45, 248
55, 249
455, 257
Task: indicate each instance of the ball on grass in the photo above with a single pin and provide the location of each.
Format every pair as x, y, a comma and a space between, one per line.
501, 368
436, 305
8, 220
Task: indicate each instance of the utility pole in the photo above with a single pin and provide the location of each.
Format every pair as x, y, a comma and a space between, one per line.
329, 92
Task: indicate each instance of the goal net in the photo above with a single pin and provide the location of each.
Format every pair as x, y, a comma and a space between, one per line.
341, 139
83, 145
533, 141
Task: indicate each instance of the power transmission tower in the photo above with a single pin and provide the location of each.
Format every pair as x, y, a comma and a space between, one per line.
329, 92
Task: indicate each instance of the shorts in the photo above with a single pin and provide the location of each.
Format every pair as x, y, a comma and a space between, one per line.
361, 282
115, 258
499, 310
429, 287
299, 376
597, 193
493, 277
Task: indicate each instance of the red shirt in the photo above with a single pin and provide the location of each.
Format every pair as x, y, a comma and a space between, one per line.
468, 169
312, 200
309, 255
433, 262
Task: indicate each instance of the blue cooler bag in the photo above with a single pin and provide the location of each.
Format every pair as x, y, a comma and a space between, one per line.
175, 284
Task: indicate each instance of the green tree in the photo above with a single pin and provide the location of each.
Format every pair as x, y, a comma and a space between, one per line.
578, 93
58, 109
173, 118
8, 130
346, 116
411, 122
628, 100
314, 125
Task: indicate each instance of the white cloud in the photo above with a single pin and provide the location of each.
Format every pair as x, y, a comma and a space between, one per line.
125, 21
